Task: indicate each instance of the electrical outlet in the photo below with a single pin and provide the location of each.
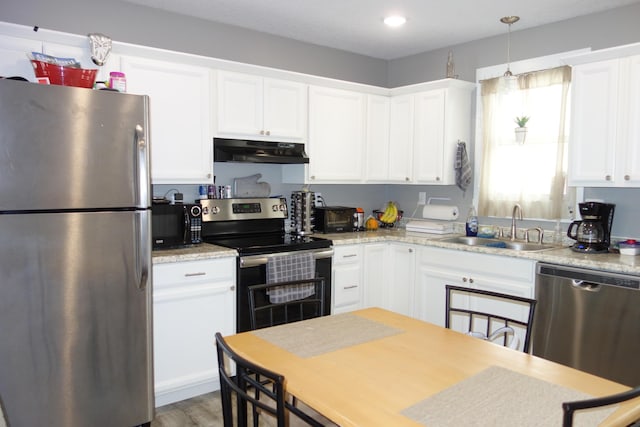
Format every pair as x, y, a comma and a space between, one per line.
422, 198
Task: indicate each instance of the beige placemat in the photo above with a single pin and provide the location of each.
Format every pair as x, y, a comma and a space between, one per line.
499, 397
325, 334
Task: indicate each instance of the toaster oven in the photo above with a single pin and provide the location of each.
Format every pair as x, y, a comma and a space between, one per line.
334, 219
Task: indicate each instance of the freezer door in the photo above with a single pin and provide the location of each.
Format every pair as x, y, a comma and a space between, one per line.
75, 341
72, 148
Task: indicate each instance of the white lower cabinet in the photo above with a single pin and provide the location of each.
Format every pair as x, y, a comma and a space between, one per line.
401, 281
346, 282
438, 267
389, 273
192, 300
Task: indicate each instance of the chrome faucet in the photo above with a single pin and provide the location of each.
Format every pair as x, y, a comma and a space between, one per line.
516, 208
540, 234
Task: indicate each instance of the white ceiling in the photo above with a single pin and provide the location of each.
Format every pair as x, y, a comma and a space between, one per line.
356, 25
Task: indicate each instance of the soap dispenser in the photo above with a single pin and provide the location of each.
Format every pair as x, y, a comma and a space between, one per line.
472, 222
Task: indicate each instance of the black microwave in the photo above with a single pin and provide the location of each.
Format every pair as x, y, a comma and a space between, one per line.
175, 226
334, 219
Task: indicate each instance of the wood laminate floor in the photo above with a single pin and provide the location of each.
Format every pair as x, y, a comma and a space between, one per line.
200, 411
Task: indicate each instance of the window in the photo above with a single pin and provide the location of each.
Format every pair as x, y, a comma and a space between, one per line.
533, 173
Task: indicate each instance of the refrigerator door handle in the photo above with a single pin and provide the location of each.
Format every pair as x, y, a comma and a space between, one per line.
142, 163
143, 257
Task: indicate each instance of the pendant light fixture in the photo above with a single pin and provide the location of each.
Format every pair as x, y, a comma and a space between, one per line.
508, 79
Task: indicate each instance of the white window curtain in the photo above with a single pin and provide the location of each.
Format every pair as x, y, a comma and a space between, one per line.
532, 174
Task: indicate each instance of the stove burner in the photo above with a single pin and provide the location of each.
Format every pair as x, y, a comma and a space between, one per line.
265, 244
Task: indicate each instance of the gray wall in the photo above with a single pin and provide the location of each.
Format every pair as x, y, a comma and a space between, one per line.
601, 30
135, 24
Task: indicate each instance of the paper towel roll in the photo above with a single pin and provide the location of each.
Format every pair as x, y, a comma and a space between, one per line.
442, 212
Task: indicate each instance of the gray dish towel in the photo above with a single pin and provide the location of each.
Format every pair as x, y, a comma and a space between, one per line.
287, 268
463, 167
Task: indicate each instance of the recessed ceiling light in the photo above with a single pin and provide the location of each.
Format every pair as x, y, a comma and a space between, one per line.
395, 21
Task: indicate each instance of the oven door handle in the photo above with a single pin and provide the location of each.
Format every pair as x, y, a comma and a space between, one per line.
256, 260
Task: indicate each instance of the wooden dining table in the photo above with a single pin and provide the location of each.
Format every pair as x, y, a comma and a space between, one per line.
374, 367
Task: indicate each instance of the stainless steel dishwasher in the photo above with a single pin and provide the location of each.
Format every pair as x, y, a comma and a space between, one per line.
589, 320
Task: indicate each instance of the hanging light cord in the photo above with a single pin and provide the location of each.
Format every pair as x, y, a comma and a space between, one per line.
509, 20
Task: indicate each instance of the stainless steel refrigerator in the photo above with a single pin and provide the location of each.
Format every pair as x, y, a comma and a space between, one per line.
75, 257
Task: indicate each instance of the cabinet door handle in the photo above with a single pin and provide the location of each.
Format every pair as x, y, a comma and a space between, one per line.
268, 132
464, 279
202, 273
232, 288
627, 177
262, 132
470, 280
349, 256
607, 178
410, 251
350, 287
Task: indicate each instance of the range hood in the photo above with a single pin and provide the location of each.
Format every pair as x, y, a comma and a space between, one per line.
248, 151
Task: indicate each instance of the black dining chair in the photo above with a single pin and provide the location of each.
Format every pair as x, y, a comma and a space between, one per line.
493, 324
569, 408
285, 302
256, 388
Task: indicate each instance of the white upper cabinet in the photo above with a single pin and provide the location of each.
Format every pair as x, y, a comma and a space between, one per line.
442, 118
13, 56
429, 144
400, 149
377, 142
180, 108
604, 147
336, 135
254, 107
426, 122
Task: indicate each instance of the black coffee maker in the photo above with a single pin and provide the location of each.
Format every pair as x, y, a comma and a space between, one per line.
593, 234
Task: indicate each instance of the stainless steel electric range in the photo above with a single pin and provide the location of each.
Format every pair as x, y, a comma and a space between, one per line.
256, 229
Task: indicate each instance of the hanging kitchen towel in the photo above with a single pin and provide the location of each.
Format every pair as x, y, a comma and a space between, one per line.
463, 167
286, 268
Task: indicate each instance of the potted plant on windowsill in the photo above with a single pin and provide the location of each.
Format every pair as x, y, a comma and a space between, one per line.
521, 130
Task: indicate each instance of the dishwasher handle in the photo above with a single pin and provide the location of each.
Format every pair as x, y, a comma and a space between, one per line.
586, 286
588, 278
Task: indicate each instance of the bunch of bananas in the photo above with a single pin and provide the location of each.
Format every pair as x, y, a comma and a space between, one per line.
390, 214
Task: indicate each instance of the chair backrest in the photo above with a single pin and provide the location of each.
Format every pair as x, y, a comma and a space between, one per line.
255, 388
568, 408
491, 322
285, 302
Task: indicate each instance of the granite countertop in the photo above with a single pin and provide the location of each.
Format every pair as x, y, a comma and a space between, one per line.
193, 253
562, 255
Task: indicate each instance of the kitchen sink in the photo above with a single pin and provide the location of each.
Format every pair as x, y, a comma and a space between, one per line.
497, 243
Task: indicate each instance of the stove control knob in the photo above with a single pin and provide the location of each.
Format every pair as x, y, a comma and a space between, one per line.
215, 209
283, 207
274, 208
